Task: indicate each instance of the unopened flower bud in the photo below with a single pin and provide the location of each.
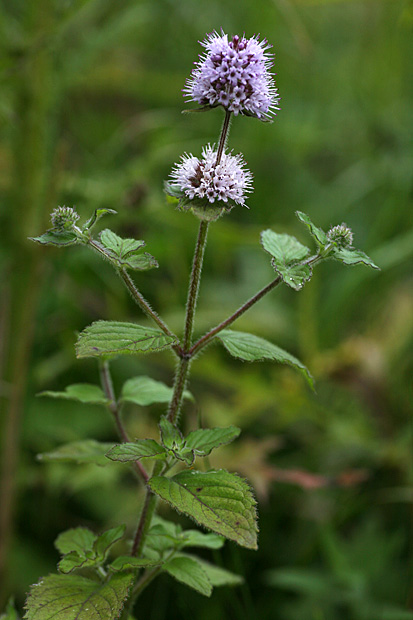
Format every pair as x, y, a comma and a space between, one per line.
64, 218
341, 235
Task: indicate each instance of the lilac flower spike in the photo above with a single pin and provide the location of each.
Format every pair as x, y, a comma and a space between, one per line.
234, 74
200, 178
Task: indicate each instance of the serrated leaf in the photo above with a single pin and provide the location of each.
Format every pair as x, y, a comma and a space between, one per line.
190, 572
78, 539
73, 561
318, 234
294, 276
146, 391
220, 501
127, 562
10, 612
126, 252
81, 392
204, 440
284, 248
140, 449
172, 437
83, 451
250, 348
70, 597
286, 253
107, 539
112, 338
83, 548
195, 538
217, 576
119, 246
350, 256
99, 213
55, 236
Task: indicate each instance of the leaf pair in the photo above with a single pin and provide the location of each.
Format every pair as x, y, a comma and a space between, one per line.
198, 443
290, 257
81, 548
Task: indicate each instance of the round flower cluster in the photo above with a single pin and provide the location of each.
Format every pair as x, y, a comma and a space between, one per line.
202, 178
341, 235
234, 74
64, 218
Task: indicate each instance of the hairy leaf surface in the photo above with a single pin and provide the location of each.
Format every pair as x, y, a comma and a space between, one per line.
204, 440
219, 500
132, 451
286, 254
146, 391
81, 392
188, 571
83, 451
70, 597
250, 348
112, 338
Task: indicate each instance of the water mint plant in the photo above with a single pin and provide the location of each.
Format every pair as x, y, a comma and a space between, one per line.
93, 581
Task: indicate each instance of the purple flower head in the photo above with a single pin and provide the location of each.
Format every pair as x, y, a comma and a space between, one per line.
234, 74
227, 182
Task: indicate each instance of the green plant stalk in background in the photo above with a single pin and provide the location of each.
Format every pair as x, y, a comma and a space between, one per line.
32, 193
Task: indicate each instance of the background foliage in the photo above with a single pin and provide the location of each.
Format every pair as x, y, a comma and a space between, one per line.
90, 115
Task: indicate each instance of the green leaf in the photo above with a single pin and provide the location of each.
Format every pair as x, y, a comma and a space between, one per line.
74, 561
350, 256
287, 252
112, 338
79, 539
318, 234
10, 613
204, 440
54, 236
190, 572
195, 538
217, 576
82, 392
107, 539
82, 548
140, 449
172, 437
99, 213
126, 252
146, 391
127, 562
83, 451
173, 441
70, 597
173, 189
250, 348
220, 501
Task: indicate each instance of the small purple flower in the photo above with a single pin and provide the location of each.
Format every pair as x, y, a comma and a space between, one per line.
234, 74
201, 178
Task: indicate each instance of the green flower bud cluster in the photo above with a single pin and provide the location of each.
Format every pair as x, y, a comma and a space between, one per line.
64, 218
341, 235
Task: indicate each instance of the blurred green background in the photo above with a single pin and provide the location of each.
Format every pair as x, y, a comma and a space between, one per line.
90, 115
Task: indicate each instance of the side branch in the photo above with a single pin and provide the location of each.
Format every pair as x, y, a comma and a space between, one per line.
136, 295
204, 340
107, 386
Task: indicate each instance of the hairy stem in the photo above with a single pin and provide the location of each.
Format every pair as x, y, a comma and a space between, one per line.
204, 340
107, 386
146, 516
136, 294
182, 372
224, 136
